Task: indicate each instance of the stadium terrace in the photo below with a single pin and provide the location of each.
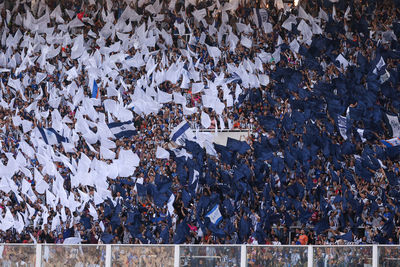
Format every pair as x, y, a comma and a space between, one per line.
109, 112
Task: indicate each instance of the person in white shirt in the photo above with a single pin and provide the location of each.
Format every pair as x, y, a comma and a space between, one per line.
276, 241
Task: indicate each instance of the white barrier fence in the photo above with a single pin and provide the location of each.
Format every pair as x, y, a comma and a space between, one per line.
197, 255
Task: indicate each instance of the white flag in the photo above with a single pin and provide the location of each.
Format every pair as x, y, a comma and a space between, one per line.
394, 124
161, 153
205, 120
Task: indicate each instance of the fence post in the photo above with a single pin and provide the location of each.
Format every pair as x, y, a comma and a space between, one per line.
375, 256
38, 261
310, 256
243, 256
108, 255
177, 256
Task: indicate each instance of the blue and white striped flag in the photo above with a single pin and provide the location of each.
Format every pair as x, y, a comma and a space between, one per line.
391, 142
260, 16
182, 132
51, 137
394, 125
122, 129
215, 215
342, 125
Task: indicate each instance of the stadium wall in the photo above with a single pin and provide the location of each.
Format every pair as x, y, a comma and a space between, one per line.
221, 137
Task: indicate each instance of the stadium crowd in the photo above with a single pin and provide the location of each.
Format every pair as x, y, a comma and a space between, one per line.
317, 85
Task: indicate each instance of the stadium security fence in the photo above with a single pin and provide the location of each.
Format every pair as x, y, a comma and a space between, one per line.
43, 255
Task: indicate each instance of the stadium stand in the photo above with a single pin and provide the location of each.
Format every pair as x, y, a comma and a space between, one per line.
103, 107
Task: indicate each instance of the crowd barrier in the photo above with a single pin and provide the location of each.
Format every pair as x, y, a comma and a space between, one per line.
47, 255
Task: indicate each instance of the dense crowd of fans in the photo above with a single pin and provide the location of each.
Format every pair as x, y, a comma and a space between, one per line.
317, 86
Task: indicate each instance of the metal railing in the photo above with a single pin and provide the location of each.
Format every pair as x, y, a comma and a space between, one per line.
38, 255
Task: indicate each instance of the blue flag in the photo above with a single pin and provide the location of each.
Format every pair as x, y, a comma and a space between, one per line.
107, 238
182, 230
347, 236
322, 225
95, 90
165, 235
237, 146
